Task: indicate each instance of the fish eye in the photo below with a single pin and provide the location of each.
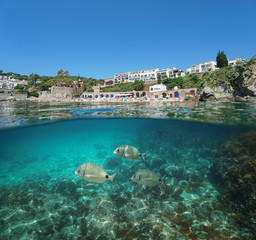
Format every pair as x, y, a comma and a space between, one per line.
78, 170
106, 176
160, 179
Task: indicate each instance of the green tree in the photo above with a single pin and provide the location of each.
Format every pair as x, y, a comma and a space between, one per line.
139, 85
159, 79
221, 60
194, 78
60, 73
172, 82
9, 73
19, 86
34, 94
33, 78
66, 74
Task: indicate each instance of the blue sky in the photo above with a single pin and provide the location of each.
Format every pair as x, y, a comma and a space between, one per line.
99, 38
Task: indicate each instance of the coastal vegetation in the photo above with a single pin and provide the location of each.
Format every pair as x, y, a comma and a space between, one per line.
38, 83
227, 76
124, 87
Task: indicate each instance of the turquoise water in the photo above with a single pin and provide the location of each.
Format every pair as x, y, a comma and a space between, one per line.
41, 197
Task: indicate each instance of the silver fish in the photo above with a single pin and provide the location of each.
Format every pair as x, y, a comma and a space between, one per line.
94, 173
146, 177
129, 152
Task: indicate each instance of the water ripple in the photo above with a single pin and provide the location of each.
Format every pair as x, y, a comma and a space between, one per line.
25, 113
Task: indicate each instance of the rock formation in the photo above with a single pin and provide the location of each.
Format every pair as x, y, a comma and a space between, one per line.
208, 94
234, 172
232, 84
248, 85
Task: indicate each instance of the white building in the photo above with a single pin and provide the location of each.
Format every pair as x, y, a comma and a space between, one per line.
4, 77
145, 75
162, 72
203, 67
121, 77
234, 62
10, 84
158, 88
175, 72
171, 73
148, 75
211, 65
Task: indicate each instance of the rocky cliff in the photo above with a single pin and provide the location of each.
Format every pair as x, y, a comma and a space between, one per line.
231, 83
247, 86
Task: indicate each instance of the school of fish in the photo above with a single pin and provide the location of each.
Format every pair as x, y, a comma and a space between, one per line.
96, 174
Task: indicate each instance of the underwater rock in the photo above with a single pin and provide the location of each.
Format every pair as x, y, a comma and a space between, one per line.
234, 173
183, 184
68, 209
64, 186
112, 163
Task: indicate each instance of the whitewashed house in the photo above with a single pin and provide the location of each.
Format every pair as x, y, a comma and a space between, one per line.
234, 62
203, 67
144, 75
158, 88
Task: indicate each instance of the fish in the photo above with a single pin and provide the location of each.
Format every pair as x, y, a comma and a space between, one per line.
146, 178
129, 152
94, 173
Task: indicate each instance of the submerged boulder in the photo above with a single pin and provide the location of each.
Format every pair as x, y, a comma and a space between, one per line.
234, 173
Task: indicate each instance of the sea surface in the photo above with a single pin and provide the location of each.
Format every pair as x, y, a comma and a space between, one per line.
42, 145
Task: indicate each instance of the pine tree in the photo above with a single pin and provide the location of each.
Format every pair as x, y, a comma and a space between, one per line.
159, 79
221, 60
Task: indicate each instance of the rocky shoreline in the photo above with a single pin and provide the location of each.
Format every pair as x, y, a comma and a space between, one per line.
228, 85
206, 95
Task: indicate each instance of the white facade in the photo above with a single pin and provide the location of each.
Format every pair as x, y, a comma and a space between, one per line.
234, 62
145, 75
175, 72
203, 67
121, 77
6, 78
171, 73
10, 84
148, 75
158, 88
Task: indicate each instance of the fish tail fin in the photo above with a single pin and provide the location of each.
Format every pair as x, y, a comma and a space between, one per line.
143, 156
112, 177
